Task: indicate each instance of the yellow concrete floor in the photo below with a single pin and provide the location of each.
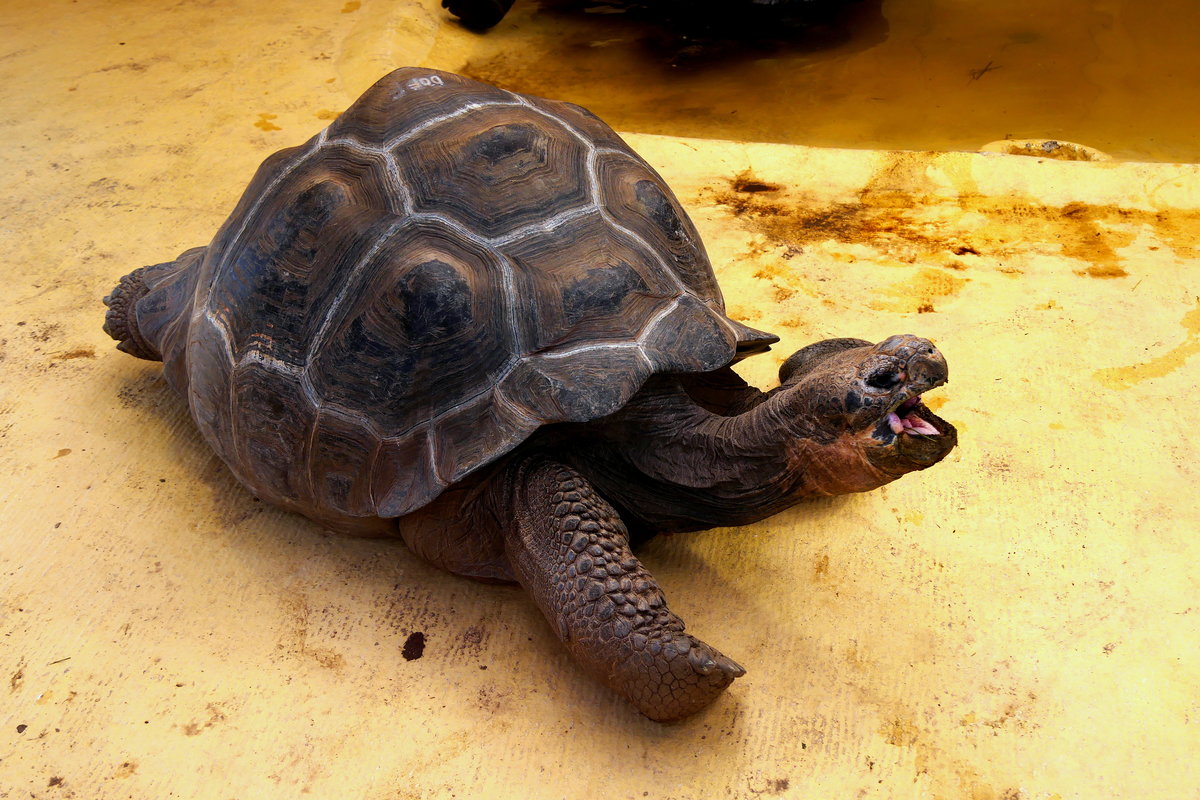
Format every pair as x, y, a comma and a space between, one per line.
1022, 621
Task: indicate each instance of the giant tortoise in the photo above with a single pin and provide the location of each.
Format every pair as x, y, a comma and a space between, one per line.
479, 321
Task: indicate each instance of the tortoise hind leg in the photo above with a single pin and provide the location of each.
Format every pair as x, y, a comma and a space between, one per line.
120, 321
139, 326
570, 550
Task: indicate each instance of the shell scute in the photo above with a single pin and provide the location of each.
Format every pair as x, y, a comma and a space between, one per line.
271, 430
209, 384
580, 386
422, 324
495, 170
637, 199
472, 436
274, 286
340, 445
413, 469
600, 290
402, 475
689, 337
571, 279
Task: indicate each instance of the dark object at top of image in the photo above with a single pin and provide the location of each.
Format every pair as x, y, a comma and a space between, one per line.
480, 15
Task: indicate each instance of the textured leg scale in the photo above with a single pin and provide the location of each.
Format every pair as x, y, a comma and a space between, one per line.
571, 551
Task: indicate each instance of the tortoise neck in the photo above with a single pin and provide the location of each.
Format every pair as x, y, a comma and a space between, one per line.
676, 466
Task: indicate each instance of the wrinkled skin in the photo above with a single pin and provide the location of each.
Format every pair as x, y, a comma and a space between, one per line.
557, 517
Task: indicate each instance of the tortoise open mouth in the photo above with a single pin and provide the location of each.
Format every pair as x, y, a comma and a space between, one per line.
907, 417
910, 436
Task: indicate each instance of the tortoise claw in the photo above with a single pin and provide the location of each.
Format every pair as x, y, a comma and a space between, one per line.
731, 667
681, 678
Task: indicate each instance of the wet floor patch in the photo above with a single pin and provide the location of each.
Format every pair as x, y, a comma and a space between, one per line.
894, 75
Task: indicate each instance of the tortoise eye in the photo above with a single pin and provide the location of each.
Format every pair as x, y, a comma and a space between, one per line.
884, 379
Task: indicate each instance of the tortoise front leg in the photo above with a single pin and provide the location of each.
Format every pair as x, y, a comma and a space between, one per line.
570, 550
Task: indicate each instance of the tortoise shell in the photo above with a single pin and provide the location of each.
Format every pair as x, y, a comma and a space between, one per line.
413, 292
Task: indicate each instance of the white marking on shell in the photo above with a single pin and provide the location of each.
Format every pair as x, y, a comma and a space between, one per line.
545, 226
269, 362
222, 331
590, 347
354, 143
431, 457
349, 283
398, 185
374, 462
390, 171
465, 108
423, 83
637, 344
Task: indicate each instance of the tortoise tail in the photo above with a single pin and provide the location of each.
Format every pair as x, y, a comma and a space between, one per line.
140, 326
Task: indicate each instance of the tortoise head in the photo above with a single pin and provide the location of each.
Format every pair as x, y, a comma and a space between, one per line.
864, 402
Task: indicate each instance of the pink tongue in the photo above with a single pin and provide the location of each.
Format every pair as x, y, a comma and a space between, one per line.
909, 424
915, 424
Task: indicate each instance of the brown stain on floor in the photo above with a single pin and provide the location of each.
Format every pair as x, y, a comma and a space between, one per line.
216, 715
293, 638
1095, 241
879, 216
17, 679
78, 352
746, 183
902, 214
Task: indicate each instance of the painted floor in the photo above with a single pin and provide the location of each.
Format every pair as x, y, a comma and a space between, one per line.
1021, 622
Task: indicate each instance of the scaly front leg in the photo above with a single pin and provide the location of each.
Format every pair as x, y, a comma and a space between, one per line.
570, 550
